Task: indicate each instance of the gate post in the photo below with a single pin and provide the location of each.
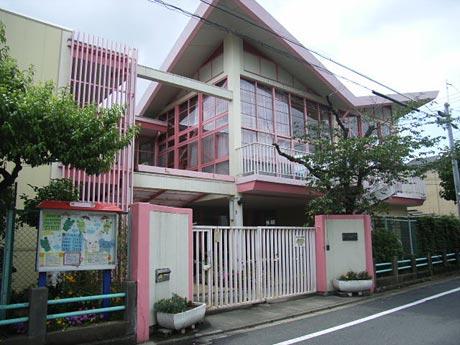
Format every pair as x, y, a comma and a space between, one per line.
161, 258
7, 261
343, 243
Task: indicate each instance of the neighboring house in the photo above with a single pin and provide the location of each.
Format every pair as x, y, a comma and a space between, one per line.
198, 151
434, 203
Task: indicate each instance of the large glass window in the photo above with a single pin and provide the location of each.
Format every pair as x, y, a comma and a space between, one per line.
297, 116
325, 126
270, 115
248, 104
282, 114
385, 125
264, 109
145, 151
351, 122
200, 138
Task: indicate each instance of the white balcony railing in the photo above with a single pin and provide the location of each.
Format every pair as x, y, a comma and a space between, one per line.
413, 188
262, 159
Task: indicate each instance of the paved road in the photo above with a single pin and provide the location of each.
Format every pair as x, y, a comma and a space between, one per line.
428, 315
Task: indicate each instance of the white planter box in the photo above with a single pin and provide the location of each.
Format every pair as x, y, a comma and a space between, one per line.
182, 320
352, 285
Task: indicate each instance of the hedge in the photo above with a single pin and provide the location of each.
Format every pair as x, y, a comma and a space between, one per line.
438, 234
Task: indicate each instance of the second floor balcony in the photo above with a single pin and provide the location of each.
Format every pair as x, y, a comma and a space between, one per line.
262, 160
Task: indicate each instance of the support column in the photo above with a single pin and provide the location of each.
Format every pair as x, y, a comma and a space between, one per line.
235, 205
233, 52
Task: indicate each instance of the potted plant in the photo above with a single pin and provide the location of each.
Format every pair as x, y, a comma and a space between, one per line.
178, 313
353, 282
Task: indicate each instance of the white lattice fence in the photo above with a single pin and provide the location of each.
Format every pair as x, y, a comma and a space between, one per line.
241, 265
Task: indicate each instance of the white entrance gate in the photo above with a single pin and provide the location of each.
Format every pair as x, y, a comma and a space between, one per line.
243, 265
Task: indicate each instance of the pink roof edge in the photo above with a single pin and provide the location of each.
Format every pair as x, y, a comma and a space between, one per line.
256, 11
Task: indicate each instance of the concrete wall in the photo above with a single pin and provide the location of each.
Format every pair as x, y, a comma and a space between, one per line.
396, 211
343, 256
169, 244
161, 237
434, 203
38, 44
334, 256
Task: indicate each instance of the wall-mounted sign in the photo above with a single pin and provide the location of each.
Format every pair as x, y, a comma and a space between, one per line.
299, 242
70, 240
349, 236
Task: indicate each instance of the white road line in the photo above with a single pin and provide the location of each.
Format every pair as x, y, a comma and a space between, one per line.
365, 319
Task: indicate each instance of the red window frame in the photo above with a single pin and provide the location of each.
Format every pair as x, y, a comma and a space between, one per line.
195, 132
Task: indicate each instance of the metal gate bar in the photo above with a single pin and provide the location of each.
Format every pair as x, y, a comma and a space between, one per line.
241, 265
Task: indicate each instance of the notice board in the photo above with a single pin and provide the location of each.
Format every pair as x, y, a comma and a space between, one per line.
71, 240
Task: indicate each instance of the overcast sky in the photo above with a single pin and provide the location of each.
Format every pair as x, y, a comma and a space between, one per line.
410, 45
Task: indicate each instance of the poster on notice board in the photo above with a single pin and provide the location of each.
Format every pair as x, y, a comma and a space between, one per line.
76, 240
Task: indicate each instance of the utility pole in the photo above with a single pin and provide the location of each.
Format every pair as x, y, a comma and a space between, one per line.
452, 152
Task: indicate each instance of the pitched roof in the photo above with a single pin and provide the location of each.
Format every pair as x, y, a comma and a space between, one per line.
198, 40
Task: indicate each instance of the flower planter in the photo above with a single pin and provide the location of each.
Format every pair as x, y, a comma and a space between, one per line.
352, 285
182, 320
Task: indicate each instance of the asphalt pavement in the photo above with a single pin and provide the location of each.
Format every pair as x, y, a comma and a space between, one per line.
425, 315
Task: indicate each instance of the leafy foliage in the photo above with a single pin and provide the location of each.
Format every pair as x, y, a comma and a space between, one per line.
345, 169
351, 275
173, 305
444, 170
58, 189
385, 245
438, 234
39, 125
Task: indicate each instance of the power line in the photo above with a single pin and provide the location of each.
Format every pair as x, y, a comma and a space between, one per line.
277, 50
295, 42
236, 33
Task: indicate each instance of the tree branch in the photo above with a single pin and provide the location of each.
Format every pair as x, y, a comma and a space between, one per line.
9, 178
315, 172
369, 131
344, 129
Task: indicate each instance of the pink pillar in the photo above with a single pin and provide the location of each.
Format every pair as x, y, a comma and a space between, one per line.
139, 256
320, 240
140, 260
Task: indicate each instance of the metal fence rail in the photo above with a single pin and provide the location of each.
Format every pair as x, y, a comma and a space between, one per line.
414, 263
241, 265
66, 301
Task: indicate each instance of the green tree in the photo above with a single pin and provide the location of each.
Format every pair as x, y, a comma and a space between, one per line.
39, 126
444, 169
58, 189
344, 169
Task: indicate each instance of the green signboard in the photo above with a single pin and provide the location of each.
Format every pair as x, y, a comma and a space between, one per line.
76, 240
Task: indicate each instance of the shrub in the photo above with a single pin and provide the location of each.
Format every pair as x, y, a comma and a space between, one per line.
385, 245
437, 234
350, 275
173, 305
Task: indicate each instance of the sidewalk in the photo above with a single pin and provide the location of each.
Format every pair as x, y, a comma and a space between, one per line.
259, 314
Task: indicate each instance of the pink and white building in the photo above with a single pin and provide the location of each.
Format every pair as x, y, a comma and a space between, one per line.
215, 154
208, 121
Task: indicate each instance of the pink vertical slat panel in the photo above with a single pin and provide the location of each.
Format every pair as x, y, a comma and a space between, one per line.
104, 73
